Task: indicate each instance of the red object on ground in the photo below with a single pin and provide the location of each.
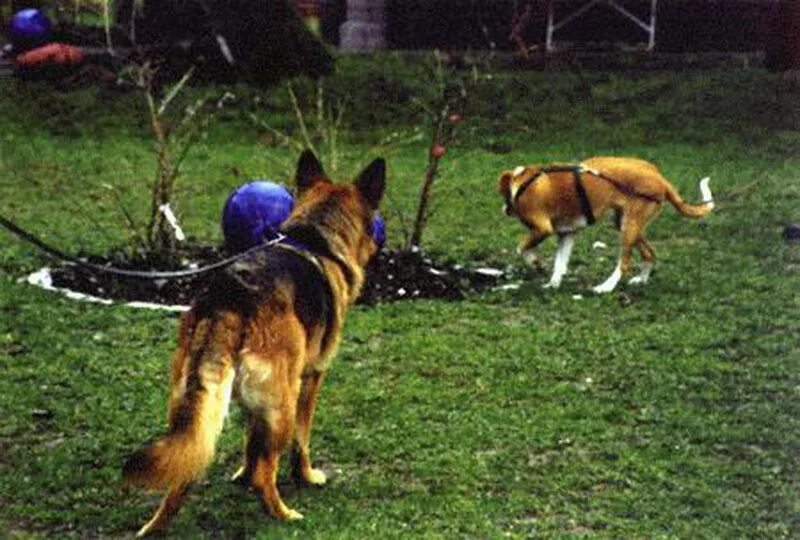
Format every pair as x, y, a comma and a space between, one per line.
437, 151
307, 8
60, 54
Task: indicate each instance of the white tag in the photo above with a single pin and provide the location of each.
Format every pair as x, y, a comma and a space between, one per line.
225, 50
173, 221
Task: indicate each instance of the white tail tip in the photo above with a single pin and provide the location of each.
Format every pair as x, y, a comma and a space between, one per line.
705, 192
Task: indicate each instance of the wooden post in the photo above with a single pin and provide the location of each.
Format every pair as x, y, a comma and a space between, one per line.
363, 31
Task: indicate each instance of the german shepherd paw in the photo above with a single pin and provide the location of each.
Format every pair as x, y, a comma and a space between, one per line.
150, 529
316, 477
310, 477
291, 515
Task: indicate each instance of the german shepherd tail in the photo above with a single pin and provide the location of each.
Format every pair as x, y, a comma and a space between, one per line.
692, 210
202, 381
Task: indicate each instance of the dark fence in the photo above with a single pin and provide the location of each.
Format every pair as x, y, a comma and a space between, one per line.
682, 25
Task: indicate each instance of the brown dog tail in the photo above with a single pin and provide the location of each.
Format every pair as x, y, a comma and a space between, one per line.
692, 210
202, 381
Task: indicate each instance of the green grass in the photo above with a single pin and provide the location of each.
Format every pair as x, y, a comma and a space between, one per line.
669, 411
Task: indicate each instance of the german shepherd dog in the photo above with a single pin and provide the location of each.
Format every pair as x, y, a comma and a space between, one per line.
563, 199
264, 332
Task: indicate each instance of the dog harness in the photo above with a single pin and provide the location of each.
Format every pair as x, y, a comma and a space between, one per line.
577, 172
305, 238
248, 281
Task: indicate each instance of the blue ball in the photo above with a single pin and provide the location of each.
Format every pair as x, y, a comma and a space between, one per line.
379, 230
29, 27
254, 213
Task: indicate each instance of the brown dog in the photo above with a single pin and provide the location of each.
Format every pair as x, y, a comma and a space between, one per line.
265, 332
565, 198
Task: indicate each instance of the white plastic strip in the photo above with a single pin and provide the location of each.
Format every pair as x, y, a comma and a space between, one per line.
43, 279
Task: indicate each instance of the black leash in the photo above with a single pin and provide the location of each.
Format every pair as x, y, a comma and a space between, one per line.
140, 274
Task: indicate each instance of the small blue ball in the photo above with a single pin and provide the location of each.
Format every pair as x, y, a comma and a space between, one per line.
379, 230
29, 27
254, 213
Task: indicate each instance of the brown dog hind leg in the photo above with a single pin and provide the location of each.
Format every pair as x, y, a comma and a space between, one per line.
628, 237
648, 261
648, 212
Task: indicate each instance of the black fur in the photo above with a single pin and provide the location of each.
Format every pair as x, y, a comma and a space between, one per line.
308, 237
137, 463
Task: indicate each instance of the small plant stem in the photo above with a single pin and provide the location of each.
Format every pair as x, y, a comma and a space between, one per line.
421, 220
133, 227
158, 236
431, 172
301, 119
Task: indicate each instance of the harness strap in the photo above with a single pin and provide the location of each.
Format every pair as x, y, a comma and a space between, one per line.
329, 307
623, 188
544, 170
577, 171
586, 206
308, 238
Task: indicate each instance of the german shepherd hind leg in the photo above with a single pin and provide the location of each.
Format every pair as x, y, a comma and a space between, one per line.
301, 451
268, 389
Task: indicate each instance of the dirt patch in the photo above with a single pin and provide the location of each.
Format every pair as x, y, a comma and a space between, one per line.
391, 276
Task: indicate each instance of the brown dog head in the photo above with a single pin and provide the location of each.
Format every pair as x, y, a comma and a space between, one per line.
341, 214
505, 185
504, 188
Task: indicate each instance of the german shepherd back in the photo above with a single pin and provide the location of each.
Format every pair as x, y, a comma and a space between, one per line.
264, 332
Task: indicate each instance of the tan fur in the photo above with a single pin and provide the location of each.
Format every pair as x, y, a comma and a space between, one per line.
633, 188
267, 355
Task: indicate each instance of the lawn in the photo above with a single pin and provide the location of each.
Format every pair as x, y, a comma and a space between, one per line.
667, 411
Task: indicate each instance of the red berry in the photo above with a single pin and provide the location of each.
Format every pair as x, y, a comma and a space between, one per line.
437, 150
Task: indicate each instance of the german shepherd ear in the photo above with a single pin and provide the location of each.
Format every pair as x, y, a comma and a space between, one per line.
372, 181
309, 171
